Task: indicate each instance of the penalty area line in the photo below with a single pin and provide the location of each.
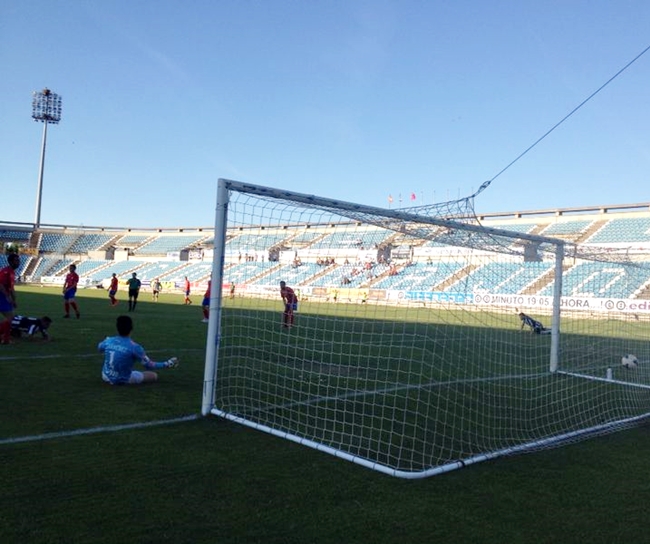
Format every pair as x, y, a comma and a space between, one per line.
96, 430
96, 355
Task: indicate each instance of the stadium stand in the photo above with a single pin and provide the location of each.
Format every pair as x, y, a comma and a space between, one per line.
263, 259
90, 242
566, 228
253, 242
420, 276
606, 280
501, 278
623, 231
163, 244
57, 242
10, 235
248, 272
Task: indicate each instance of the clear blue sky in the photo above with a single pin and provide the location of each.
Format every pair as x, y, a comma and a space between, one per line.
348, 99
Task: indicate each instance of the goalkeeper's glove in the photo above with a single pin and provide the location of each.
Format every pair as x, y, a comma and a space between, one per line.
171, 363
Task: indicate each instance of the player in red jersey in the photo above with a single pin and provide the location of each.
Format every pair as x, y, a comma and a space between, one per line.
8, 296
290, 304
186, 290
206, 303
70, 290
112, 290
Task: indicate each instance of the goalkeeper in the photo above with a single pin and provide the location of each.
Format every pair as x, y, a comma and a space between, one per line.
535, 326
121, 353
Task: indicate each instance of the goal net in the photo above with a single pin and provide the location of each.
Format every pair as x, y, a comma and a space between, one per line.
411, 350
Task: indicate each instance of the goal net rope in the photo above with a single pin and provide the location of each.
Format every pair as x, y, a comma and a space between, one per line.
407, 352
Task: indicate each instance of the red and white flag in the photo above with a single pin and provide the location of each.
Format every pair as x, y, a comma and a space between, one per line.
413, 197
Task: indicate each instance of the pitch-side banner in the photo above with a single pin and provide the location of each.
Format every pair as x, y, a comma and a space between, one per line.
588, 304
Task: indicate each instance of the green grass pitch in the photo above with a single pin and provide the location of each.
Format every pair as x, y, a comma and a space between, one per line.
207, 480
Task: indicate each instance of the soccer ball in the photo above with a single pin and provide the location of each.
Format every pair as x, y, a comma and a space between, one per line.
629, 361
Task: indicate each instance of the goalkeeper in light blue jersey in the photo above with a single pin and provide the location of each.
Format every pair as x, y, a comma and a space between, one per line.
121, 353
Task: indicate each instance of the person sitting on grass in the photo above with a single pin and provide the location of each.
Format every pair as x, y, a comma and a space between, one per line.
30, 326
121, 353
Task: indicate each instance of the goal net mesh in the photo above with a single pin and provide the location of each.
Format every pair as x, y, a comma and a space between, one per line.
406, 352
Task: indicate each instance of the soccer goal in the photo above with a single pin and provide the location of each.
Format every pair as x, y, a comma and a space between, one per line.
408, 352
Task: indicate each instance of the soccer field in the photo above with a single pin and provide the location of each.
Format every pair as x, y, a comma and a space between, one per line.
69, 458
419, 387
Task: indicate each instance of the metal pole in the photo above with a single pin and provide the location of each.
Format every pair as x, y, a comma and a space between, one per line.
214, 323
46, 108
37, 219
557, 304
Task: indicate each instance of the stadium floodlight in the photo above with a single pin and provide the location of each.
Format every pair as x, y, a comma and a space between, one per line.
46, 107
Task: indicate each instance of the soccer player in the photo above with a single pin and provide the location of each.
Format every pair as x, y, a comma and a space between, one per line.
134, 290
121, 353
112, 290
186, 290
290, 304
8, 296
232, 289
70, 291
156, 287
535, 326
206, 303
30, 326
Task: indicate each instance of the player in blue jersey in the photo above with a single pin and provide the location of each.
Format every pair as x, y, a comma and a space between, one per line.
535, 326
121, 353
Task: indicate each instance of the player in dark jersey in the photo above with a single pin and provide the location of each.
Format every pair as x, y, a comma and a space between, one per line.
134, 285
30, 326
290, 304
535, 326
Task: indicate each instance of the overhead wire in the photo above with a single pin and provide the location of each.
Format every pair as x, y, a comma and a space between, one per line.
574, 110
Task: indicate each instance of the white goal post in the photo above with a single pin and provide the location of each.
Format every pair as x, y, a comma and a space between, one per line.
408, 352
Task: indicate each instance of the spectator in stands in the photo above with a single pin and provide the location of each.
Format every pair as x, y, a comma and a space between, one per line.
290, 304
30, 326
134, 285
112, 290
535, 326
8, 296
156, 287
206, 303
70, 291
121, 353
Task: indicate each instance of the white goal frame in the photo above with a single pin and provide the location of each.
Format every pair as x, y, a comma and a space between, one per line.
357, 212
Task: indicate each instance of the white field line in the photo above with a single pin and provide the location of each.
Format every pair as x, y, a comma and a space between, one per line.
96, 430
93, 430
97, 354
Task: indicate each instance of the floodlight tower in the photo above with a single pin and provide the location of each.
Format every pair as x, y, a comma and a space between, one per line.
46, 107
